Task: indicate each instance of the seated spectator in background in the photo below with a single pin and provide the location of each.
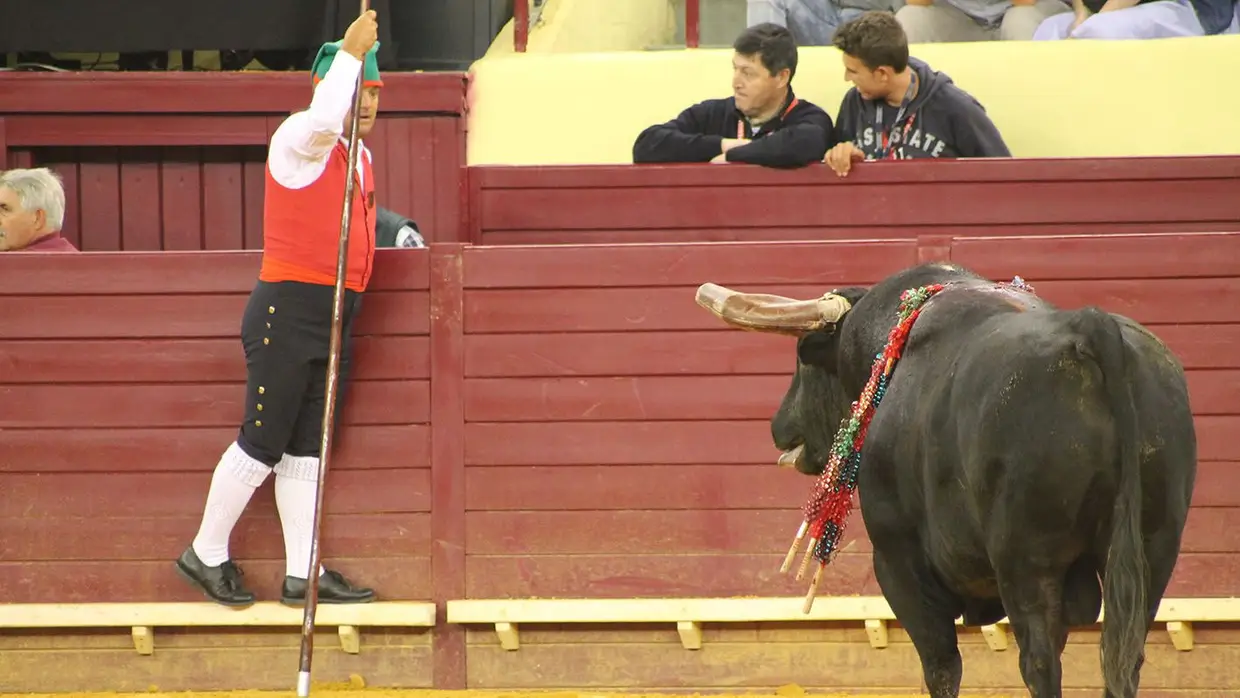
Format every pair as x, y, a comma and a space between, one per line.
813, 22
1132, 19
762, 123
32, 211
899, 108
929, 21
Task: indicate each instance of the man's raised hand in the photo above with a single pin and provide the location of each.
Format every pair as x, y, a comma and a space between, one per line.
361, 36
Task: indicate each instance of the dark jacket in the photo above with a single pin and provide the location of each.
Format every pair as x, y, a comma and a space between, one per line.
941, 121
1215, 15
795, 137
395, 230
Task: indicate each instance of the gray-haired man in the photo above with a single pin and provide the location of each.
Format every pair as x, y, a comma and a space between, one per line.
32, 211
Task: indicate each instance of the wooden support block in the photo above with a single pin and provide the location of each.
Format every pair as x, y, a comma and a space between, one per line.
350, 639
144, 639
690, 634
996, 637
1181, 632
877, 631
144, 618
508, 639
647, 610
506, 614
206, 614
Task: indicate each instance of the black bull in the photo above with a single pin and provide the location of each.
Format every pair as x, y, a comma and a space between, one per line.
1021, 452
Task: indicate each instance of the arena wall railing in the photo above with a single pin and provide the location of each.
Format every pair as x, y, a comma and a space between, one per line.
548, 448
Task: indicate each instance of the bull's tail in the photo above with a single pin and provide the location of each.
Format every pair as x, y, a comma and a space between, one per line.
1124, 589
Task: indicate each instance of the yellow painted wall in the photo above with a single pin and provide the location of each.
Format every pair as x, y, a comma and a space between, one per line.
1049, 99
575, 26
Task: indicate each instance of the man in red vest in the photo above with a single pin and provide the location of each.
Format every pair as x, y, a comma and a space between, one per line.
286, 327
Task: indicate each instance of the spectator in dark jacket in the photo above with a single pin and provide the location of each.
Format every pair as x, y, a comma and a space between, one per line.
395, 230
762, 123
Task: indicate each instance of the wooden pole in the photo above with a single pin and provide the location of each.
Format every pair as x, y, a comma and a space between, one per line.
329, 403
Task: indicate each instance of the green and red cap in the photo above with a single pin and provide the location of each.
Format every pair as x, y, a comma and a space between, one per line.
327, 54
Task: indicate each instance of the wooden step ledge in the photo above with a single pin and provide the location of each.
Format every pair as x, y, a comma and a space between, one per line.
690, 613
143, 618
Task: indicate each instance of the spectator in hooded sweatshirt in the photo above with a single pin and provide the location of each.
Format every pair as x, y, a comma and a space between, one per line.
899, 108
762, 123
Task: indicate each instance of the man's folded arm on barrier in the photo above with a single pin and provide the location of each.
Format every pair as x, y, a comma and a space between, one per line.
803, 138
690, 137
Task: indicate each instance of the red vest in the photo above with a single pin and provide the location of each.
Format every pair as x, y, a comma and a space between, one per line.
301, 227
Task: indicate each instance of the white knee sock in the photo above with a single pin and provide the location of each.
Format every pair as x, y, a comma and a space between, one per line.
236, 477
296, 480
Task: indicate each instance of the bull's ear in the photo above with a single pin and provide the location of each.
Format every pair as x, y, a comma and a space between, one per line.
818, 348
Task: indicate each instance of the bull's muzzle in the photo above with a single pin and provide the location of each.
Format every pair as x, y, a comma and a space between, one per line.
762, 312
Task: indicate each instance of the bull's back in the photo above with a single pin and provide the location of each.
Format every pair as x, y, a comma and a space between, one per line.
1035, 398
1026, 456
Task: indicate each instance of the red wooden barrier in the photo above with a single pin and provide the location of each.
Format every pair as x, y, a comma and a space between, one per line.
121, 381
605, 410
588, 431
926, 200
126, 372
174, 161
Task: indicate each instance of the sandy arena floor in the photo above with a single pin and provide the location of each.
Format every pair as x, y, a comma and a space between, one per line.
353, 691
333, 692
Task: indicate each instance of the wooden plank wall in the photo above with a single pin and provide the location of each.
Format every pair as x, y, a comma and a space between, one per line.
671, 203
588, 431
122, 382
183, 167
139, 198
606, 411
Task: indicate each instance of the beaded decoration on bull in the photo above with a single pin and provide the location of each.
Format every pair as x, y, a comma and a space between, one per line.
826, 512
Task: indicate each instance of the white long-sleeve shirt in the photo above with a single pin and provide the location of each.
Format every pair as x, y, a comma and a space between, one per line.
301, 145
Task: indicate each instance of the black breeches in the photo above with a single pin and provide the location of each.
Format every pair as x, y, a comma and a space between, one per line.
286, 333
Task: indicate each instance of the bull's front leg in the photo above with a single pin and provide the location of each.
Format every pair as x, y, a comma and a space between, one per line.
926, 611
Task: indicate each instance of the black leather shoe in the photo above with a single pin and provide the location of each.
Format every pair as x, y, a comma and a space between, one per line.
333, 588
221, 584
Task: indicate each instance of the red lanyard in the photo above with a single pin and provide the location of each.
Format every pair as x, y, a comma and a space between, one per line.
887, 152
740, 123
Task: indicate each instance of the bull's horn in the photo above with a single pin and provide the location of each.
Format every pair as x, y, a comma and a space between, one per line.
789, 458
765, 312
